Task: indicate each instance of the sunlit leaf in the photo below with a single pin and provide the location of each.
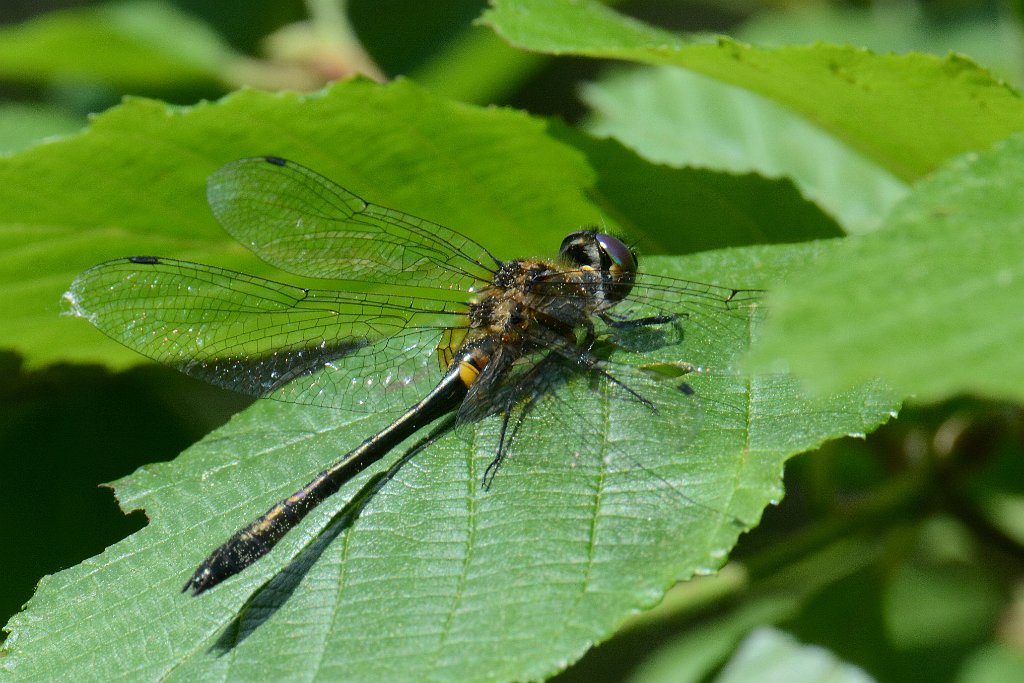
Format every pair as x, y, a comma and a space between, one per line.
907, 112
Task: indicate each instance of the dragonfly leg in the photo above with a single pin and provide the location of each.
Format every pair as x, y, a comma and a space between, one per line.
499, 455
506, 437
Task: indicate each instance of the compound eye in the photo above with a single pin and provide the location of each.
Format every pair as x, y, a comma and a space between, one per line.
620, 255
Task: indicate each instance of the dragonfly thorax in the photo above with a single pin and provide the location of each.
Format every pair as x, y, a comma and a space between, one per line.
520, 291
594, 272
606, 256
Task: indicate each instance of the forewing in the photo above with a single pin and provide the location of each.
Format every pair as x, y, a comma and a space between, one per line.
711, 324
299, 221
673, 320
360, 351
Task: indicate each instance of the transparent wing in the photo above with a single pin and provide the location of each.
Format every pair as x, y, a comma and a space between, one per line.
631, 394
714, 324
301, 222
664, 332
625, 431
348, 350
699, 322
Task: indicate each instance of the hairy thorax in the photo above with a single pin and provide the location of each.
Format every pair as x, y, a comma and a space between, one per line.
527, 293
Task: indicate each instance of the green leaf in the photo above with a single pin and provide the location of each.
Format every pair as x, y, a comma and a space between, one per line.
24, 125
907, 112
770, 654
697, 652
929, 302
938, 598
443, 576
672, 116
146, 164
477, 66
996, 663
132, 45
134, 183
439, 574
710, 637
990, 38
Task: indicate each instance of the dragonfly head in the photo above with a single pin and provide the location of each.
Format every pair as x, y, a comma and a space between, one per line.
592, 250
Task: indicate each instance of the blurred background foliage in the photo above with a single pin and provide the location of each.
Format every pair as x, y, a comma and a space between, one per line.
900, 554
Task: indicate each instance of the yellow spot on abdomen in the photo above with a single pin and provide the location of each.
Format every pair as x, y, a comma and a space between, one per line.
468, 373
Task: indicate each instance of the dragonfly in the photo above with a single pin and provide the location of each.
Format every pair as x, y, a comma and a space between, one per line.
431, 325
